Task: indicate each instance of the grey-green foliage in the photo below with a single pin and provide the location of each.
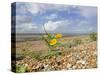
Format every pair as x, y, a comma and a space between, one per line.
43, 55
93, 36
35, 55
52, 53
72, 43
19, 56
68, 45
21, 68
77, 41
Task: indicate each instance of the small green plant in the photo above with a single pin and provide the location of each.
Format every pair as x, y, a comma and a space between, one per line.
40, 56
52, 40
34, 55
50, 54
93, 36
21, 68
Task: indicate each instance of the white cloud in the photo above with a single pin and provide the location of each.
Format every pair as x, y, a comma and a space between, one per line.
26, 27
24, 23
23, 19
91, 29
50, 17
35, 8
24, 8
87, 11
84, 26
20, 8
52, 26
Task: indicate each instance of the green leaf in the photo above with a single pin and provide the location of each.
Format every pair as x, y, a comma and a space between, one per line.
21, 68
59, 44
51, 36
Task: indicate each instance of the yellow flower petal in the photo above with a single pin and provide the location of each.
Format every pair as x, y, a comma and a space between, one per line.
58, 36
53, 42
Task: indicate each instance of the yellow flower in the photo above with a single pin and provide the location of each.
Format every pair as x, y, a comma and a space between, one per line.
53, 42
58, 36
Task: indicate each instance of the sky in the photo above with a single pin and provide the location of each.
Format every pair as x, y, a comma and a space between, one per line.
56, 18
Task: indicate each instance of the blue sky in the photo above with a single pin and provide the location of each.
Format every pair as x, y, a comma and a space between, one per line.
30, 18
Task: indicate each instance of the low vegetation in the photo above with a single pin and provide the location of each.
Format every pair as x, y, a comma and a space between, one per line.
59, 55
93, 36
21, 68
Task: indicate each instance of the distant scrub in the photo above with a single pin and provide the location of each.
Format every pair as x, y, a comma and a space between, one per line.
93, 36
77, 41
68, 45
73, 43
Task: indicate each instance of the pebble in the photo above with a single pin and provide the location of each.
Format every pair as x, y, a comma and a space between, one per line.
81, 57
69, 65
81, 61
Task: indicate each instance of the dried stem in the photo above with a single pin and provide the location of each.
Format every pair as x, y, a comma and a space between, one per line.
45, 29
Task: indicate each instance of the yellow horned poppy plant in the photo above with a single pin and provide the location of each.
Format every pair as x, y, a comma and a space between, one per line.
53, 42
58, 36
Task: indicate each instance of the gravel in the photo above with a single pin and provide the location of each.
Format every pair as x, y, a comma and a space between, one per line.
81, 57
